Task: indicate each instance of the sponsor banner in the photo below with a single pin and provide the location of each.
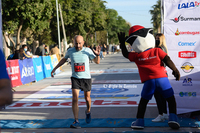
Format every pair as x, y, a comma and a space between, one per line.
12, 67
182, 31
26, 71
187, 95
38, 68
103, 95
54, 61
47, 66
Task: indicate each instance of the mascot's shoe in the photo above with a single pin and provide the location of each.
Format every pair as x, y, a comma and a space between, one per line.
159, 118
173, 121
166, 116
138, 124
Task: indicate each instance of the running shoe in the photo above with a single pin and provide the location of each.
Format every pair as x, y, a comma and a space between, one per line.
138, 124
88, 117
165, 116
75, 124
159, 118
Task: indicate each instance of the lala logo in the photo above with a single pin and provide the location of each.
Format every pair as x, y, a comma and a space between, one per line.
188, 5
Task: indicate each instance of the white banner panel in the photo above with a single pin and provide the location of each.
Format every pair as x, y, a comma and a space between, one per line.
182, 33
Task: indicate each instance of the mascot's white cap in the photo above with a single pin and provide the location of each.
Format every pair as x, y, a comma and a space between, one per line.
141, 38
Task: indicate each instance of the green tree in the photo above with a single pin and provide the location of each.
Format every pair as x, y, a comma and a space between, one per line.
115, 24
83, 17
156, 16
18, 15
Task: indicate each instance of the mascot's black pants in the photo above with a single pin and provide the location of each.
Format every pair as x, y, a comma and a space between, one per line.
143, 104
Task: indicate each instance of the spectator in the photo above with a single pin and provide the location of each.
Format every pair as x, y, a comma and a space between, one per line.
21, 54
160, 100
104, 50
55, 50
40, 50
25, 49
46, 51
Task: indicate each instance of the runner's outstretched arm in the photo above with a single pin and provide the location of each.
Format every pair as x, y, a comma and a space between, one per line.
62, 61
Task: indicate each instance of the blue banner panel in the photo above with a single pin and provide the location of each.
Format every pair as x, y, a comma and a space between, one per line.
38, 68
26, 71
47, 66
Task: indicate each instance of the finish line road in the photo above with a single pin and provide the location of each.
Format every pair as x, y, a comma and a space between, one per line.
115, 94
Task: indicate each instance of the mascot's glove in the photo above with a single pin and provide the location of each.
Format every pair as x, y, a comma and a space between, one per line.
171, 65
176, 74
122, 38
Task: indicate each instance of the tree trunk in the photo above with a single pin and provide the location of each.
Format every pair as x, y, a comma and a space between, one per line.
18, 34
6, 37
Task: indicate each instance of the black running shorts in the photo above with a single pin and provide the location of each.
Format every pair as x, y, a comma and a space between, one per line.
82, 84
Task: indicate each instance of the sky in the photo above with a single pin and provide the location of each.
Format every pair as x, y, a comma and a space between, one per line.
136, 12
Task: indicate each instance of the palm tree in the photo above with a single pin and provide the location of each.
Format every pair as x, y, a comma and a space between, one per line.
156, 16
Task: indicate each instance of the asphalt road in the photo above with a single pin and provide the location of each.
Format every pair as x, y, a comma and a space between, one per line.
113, 68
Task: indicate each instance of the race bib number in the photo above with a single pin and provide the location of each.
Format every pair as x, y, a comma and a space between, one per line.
79, 67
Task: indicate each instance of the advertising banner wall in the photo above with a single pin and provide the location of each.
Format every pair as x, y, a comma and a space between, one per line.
47, 66
54, 61
26, 71
38, 68
182, 33
12, 67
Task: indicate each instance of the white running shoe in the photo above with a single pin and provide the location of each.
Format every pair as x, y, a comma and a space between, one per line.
159, 118
165, 116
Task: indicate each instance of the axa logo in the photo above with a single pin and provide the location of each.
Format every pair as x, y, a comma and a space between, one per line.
187, 81
187, 67
181, 18
187, 54
188, 5
186, 32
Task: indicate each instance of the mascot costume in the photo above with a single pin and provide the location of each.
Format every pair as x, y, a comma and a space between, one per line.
149, 61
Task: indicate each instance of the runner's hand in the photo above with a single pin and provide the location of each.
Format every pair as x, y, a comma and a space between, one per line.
98, 50
52, 73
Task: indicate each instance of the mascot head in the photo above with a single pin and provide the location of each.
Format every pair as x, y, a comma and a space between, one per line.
140, 38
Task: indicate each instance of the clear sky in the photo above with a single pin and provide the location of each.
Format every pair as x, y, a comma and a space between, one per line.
136, 12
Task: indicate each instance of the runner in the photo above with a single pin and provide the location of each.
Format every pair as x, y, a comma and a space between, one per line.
81, 78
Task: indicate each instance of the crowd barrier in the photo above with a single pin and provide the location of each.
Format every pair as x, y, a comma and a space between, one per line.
29, 70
